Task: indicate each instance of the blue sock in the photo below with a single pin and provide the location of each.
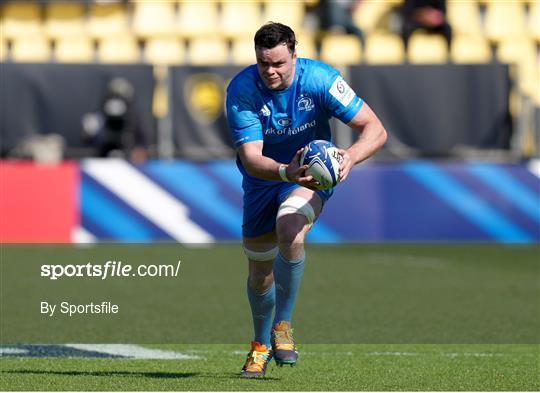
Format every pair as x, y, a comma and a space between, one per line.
287, 278
262, 307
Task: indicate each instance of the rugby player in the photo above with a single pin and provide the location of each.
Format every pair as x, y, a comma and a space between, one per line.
274, 109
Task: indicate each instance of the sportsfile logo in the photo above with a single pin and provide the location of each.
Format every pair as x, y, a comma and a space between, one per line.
108, 269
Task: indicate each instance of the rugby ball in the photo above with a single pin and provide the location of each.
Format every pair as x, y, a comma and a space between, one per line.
323, 161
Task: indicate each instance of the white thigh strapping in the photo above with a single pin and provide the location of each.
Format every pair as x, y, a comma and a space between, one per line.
263, 256
297, 205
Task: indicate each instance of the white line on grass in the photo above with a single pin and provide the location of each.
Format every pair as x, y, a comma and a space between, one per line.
13, 351
472, 354
406, 260
133, 351
305, 353
350, 353
390, 354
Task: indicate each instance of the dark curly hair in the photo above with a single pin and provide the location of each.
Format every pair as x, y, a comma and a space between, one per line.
272, 34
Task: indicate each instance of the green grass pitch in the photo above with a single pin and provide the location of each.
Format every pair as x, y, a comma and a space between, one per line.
321, 367
368, 318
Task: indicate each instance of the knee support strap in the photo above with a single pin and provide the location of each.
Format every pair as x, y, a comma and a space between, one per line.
297, 205
263, 256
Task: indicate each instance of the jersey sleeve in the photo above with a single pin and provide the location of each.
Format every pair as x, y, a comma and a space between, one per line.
244, 123
340, 99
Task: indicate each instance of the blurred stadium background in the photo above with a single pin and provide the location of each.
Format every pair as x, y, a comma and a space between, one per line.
461, 163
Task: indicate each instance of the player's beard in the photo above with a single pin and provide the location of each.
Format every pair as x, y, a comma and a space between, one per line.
280, 82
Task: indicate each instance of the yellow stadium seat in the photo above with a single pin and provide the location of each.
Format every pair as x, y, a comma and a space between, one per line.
198, 18
487, 2
369, 13
384, 48
119, 49
464, 17
522, 53
338, 49
208, 51
289, 13
164, 51
243, 51
517, 50
470, 49
504, 19
65, 19
239, 18
21, 19
154, 18
76, 49
534, 20
306, 46
427, 49
31, 49
107, 19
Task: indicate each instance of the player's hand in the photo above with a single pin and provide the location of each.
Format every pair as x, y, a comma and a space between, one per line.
346, 164
297, 173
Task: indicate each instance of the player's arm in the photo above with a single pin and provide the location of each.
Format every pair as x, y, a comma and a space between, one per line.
262, 167
371, 137
342, 102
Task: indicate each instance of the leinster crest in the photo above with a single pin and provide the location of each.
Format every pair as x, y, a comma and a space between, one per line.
305, 103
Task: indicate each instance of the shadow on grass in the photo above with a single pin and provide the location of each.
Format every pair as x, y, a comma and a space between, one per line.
238, 377
157, 374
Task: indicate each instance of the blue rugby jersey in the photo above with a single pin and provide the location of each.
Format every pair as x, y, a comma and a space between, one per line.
287, 120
